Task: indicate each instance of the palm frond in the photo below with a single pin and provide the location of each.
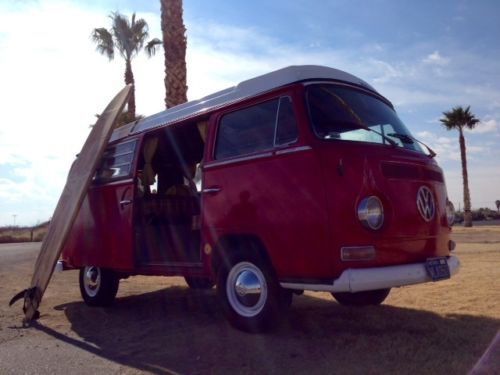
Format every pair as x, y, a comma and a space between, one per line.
130, 35
459, 117
104, 40
123, 36
470, 120
140, 32
152, 46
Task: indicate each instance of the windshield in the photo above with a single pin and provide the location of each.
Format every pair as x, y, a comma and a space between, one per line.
344, 113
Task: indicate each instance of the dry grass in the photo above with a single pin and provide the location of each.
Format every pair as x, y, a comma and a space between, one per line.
23, 234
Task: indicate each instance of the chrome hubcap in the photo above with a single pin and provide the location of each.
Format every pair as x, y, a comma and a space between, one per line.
246, 289
92, 280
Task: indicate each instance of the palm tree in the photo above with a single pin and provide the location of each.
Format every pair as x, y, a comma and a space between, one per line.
497, 202
128, 37
459, 118
174, 45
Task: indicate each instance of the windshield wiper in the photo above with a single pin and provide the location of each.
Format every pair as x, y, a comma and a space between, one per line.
391, 142
402, 137
408, 139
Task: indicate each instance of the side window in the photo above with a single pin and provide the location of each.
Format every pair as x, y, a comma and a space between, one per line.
246, 131
256, 128
286, 127
116, 162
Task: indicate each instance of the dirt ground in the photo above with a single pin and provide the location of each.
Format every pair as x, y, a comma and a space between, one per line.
158, 325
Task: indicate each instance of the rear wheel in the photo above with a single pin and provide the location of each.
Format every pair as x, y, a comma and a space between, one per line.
98, 286
365, 298
199, 282
251, 297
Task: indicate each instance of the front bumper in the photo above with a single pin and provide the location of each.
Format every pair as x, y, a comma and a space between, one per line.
358, 280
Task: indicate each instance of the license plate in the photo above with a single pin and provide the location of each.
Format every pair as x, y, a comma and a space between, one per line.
437, 268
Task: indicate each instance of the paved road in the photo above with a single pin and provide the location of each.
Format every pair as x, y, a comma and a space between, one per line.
12, 254
39, 350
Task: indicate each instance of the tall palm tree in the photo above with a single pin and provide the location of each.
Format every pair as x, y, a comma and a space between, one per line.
128, 37
459, 118
174, 45
497, 202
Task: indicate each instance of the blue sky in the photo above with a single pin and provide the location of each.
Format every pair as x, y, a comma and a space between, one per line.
425, 56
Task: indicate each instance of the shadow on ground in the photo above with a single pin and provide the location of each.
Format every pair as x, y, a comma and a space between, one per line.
181, 330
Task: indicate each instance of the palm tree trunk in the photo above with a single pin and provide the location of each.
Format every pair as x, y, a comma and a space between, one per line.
467, 209
129, 79
174, 45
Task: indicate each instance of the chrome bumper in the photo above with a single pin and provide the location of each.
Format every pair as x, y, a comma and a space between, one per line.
358, 280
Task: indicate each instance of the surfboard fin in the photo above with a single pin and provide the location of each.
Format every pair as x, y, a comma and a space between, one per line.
28, 295
17, 297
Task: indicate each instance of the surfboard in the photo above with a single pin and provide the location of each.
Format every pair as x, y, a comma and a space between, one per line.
77, 184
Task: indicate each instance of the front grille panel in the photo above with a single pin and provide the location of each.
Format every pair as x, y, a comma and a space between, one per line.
430, 174
410, 172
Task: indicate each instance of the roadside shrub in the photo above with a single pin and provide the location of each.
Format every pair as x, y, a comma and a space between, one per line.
39, 237
12, 239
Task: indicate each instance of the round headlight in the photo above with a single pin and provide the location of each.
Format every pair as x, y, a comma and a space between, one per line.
450, 212
371, 213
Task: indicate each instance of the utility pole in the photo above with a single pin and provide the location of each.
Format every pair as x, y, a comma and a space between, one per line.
14, 216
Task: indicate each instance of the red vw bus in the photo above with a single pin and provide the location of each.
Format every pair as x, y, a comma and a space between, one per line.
300, 179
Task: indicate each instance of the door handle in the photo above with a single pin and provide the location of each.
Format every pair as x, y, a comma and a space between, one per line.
212, 190
125, 202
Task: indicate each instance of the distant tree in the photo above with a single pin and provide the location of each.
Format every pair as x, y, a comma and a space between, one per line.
497, 203
459, 118
128, 37
174, 46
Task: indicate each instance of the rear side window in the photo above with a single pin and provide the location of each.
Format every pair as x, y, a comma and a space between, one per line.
257, 128
116, 162
286, 127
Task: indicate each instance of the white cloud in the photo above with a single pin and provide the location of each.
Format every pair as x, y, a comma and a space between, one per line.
55, 83
487, 126
387, 72
435, 58
447, 148
52, 87
424, 134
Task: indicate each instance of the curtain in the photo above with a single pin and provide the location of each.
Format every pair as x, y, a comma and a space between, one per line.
203, 128
148, 174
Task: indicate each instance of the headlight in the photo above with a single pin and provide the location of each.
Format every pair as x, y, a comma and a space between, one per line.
450, 212
371, 213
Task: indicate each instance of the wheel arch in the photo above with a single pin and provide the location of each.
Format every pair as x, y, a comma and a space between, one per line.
242, 244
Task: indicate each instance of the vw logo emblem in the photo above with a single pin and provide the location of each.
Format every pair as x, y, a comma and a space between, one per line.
425, 203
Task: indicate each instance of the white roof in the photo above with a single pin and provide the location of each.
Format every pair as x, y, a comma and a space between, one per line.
243, 90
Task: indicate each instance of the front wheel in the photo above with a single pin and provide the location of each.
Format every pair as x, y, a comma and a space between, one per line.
365, 298
250, 295
98, 286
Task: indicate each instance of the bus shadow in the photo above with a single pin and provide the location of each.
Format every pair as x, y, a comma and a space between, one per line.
181, 330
